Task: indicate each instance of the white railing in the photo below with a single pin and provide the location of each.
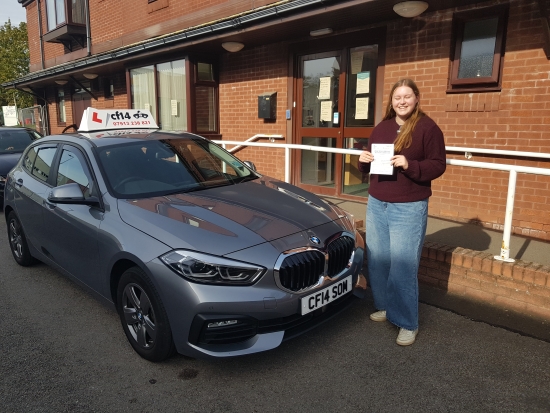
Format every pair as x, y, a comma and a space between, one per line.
513, 169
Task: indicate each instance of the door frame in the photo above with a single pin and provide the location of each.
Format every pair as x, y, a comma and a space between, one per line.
341, 44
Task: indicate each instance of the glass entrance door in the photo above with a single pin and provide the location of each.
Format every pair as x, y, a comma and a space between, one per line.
335, 108
320, 107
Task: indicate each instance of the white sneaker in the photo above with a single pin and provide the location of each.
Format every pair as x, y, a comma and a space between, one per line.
406, 337
378, 316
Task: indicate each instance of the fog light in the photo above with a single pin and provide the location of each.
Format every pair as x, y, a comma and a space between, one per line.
222, 323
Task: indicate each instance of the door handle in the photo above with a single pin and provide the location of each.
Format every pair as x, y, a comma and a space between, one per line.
19, 182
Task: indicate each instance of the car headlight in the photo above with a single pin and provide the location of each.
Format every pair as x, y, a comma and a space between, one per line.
204, 268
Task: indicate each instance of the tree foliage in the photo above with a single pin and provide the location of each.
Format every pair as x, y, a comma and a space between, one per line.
14, 63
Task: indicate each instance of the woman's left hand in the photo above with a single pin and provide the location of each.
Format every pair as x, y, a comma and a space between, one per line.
399, 161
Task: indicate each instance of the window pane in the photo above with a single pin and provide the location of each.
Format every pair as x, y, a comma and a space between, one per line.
14, 141
205, 99
478, 48
60, 11
29, 159
79, 11
61, 103
355, 182
318, 167
172, 95
43, 163
50, 11
143, 89
205, 71
71, 170
320, 91
361, 86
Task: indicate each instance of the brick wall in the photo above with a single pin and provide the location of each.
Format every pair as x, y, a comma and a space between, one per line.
117, 23
243, 77
516, 118
521, 287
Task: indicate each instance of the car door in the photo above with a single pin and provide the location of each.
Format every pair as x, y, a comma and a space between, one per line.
73, 228
31, 185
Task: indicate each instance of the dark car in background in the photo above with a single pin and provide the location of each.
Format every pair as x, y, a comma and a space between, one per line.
13, 141
197, 252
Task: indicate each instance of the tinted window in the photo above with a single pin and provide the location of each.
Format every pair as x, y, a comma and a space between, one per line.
169, 166
73, 169
43, 163
29, 159
15, 140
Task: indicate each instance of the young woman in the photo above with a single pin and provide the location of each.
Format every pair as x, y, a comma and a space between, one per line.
397, 209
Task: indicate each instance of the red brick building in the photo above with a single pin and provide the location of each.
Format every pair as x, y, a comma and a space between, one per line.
327, 66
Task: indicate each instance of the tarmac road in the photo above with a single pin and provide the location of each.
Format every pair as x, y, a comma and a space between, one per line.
63, 351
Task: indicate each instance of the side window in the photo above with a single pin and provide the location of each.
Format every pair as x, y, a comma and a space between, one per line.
73, 169
476, 61
28, 162
43, 163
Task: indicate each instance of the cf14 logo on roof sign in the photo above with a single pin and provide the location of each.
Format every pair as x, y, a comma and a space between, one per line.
98, 119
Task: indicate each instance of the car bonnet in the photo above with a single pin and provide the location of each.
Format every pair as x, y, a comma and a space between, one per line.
227, 219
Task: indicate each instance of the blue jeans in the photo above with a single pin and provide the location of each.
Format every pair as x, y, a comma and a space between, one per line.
394, 236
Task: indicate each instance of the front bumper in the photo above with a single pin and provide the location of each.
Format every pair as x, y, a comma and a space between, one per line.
246, 319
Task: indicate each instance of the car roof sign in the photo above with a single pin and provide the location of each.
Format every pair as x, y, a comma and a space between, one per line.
102, 119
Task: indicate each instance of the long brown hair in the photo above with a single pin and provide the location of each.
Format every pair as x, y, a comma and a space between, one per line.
404, 138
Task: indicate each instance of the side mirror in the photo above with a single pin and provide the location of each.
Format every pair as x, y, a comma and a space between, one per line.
71, 194
250, 165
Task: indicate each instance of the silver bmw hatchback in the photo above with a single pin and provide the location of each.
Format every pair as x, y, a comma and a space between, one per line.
196, 251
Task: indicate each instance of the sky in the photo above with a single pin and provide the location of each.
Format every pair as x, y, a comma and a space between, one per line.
11, 9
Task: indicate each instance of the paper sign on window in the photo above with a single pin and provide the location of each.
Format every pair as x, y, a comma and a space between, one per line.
356, 62
362, 108
324, 88
326, 111
363, 83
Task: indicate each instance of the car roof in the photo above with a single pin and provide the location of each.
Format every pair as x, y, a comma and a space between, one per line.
119, 137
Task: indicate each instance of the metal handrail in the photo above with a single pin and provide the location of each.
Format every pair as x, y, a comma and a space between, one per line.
513, 169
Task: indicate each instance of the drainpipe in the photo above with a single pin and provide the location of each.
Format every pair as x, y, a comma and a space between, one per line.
88, 30
40, 35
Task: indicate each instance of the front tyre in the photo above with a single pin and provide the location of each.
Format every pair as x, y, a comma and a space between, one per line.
143, 316
18, 242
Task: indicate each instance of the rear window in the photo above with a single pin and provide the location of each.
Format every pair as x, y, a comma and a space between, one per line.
14, 140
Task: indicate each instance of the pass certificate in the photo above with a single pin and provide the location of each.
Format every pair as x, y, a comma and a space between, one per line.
382, 153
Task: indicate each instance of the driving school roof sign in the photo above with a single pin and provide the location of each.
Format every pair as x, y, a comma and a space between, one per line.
98, 119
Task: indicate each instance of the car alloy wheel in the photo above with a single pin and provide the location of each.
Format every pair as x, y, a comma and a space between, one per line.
18, 242
143, 316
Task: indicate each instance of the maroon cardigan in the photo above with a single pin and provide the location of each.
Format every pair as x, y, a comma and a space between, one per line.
426, 158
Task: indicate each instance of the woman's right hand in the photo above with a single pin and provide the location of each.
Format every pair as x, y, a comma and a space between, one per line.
366, 157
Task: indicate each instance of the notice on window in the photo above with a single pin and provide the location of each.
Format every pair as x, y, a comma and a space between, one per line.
363, 83
361, 108
326, 111
147, 106
174, 104
382, 153
356, 62
324, 88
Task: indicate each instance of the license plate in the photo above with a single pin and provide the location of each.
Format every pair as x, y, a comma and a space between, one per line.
325, 296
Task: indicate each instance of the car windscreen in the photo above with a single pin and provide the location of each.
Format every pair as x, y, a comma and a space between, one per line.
161, 167
12, 141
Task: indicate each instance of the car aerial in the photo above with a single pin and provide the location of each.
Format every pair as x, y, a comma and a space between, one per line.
13, 142
197, 252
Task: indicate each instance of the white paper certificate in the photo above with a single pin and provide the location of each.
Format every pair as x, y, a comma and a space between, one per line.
382, 153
